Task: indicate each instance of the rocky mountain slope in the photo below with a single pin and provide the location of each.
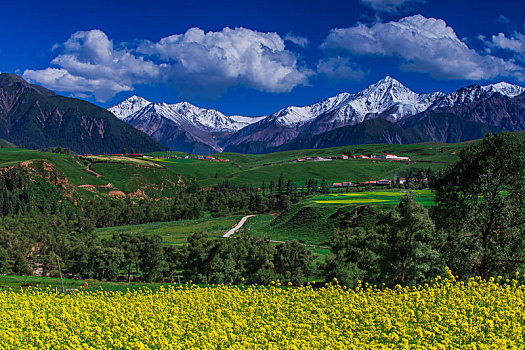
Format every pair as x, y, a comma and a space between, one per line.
35, 117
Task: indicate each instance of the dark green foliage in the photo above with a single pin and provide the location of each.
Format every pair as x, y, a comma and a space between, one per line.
409, 254
400, 247
481, 205
293, 262
356, 254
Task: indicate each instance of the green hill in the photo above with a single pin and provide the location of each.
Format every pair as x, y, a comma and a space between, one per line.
36, 117
155, 178
252, 169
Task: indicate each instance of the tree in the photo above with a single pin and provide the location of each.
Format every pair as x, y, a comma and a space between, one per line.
355, 255
481, 204
151, 257
125, 151
324, 186
409, 255
280, 184
293, 262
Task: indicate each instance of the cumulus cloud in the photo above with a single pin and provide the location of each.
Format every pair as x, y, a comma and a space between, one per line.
515, 44
61, 80
340, 69
502, 19
297, 40
90, 64
391, 6
422, 45
237, 56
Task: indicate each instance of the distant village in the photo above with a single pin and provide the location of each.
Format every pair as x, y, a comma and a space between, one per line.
390, 157
382, 182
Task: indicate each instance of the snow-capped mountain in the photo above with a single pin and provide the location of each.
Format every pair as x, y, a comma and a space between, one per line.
129, 106
183, 126
473, 93
387, 98
177, 125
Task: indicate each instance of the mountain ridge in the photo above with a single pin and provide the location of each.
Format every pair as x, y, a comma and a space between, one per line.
386, 99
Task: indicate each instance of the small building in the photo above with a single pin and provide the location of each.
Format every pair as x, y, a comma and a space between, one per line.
393, 157
383, 182
320, 159
342, 156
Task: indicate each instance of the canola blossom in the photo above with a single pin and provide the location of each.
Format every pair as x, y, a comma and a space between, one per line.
447, 314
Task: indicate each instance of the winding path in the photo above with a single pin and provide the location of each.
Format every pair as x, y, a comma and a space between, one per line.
239, 225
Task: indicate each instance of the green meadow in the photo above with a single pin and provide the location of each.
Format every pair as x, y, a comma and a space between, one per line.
176, 232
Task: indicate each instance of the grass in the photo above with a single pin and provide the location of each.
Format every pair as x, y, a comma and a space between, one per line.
122, 159
128, 174
176, 232
17, 282
249, 169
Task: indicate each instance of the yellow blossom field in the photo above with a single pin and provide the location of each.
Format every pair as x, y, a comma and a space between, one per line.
447, 314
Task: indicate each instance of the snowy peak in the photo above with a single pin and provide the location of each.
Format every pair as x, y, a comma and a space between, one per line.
473, 93
183, 113
293, 115
505, 89
128, 106
388, 94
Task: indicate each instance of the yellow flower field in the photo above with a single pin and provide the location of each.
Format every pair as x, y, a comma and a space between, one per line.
446, 315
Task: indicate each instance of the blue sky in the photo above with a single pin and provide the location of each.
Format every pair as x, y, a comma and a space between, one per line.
254, 57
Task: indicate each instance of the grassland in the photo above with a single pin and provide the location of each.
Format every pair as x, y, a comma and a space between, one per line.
176, 232
127, 174
243, 169
122, 160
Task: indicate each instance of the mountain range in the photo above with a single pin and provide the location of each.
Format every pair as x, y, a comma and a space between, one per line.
36, 117
384, 112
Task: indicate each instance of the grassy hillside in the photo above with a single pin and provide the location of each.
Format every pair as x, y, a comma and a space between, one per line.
243, 169
118, 176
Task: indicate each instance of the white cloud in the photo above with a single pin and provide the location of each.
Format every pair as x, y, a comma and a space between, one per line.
62, 80
340, 68
230, 57
502, 19
423, 45
391, 6
515, 43
297, 40
90, 64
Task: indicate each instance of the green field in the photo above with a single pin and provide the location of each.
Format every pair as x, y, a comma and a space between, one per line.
245, 169
127, 174
176, 232
17, 282
424, 197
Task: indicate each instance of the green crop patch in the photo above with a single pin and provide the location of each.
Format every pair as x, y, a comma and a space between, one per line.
354, 201
380, 197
